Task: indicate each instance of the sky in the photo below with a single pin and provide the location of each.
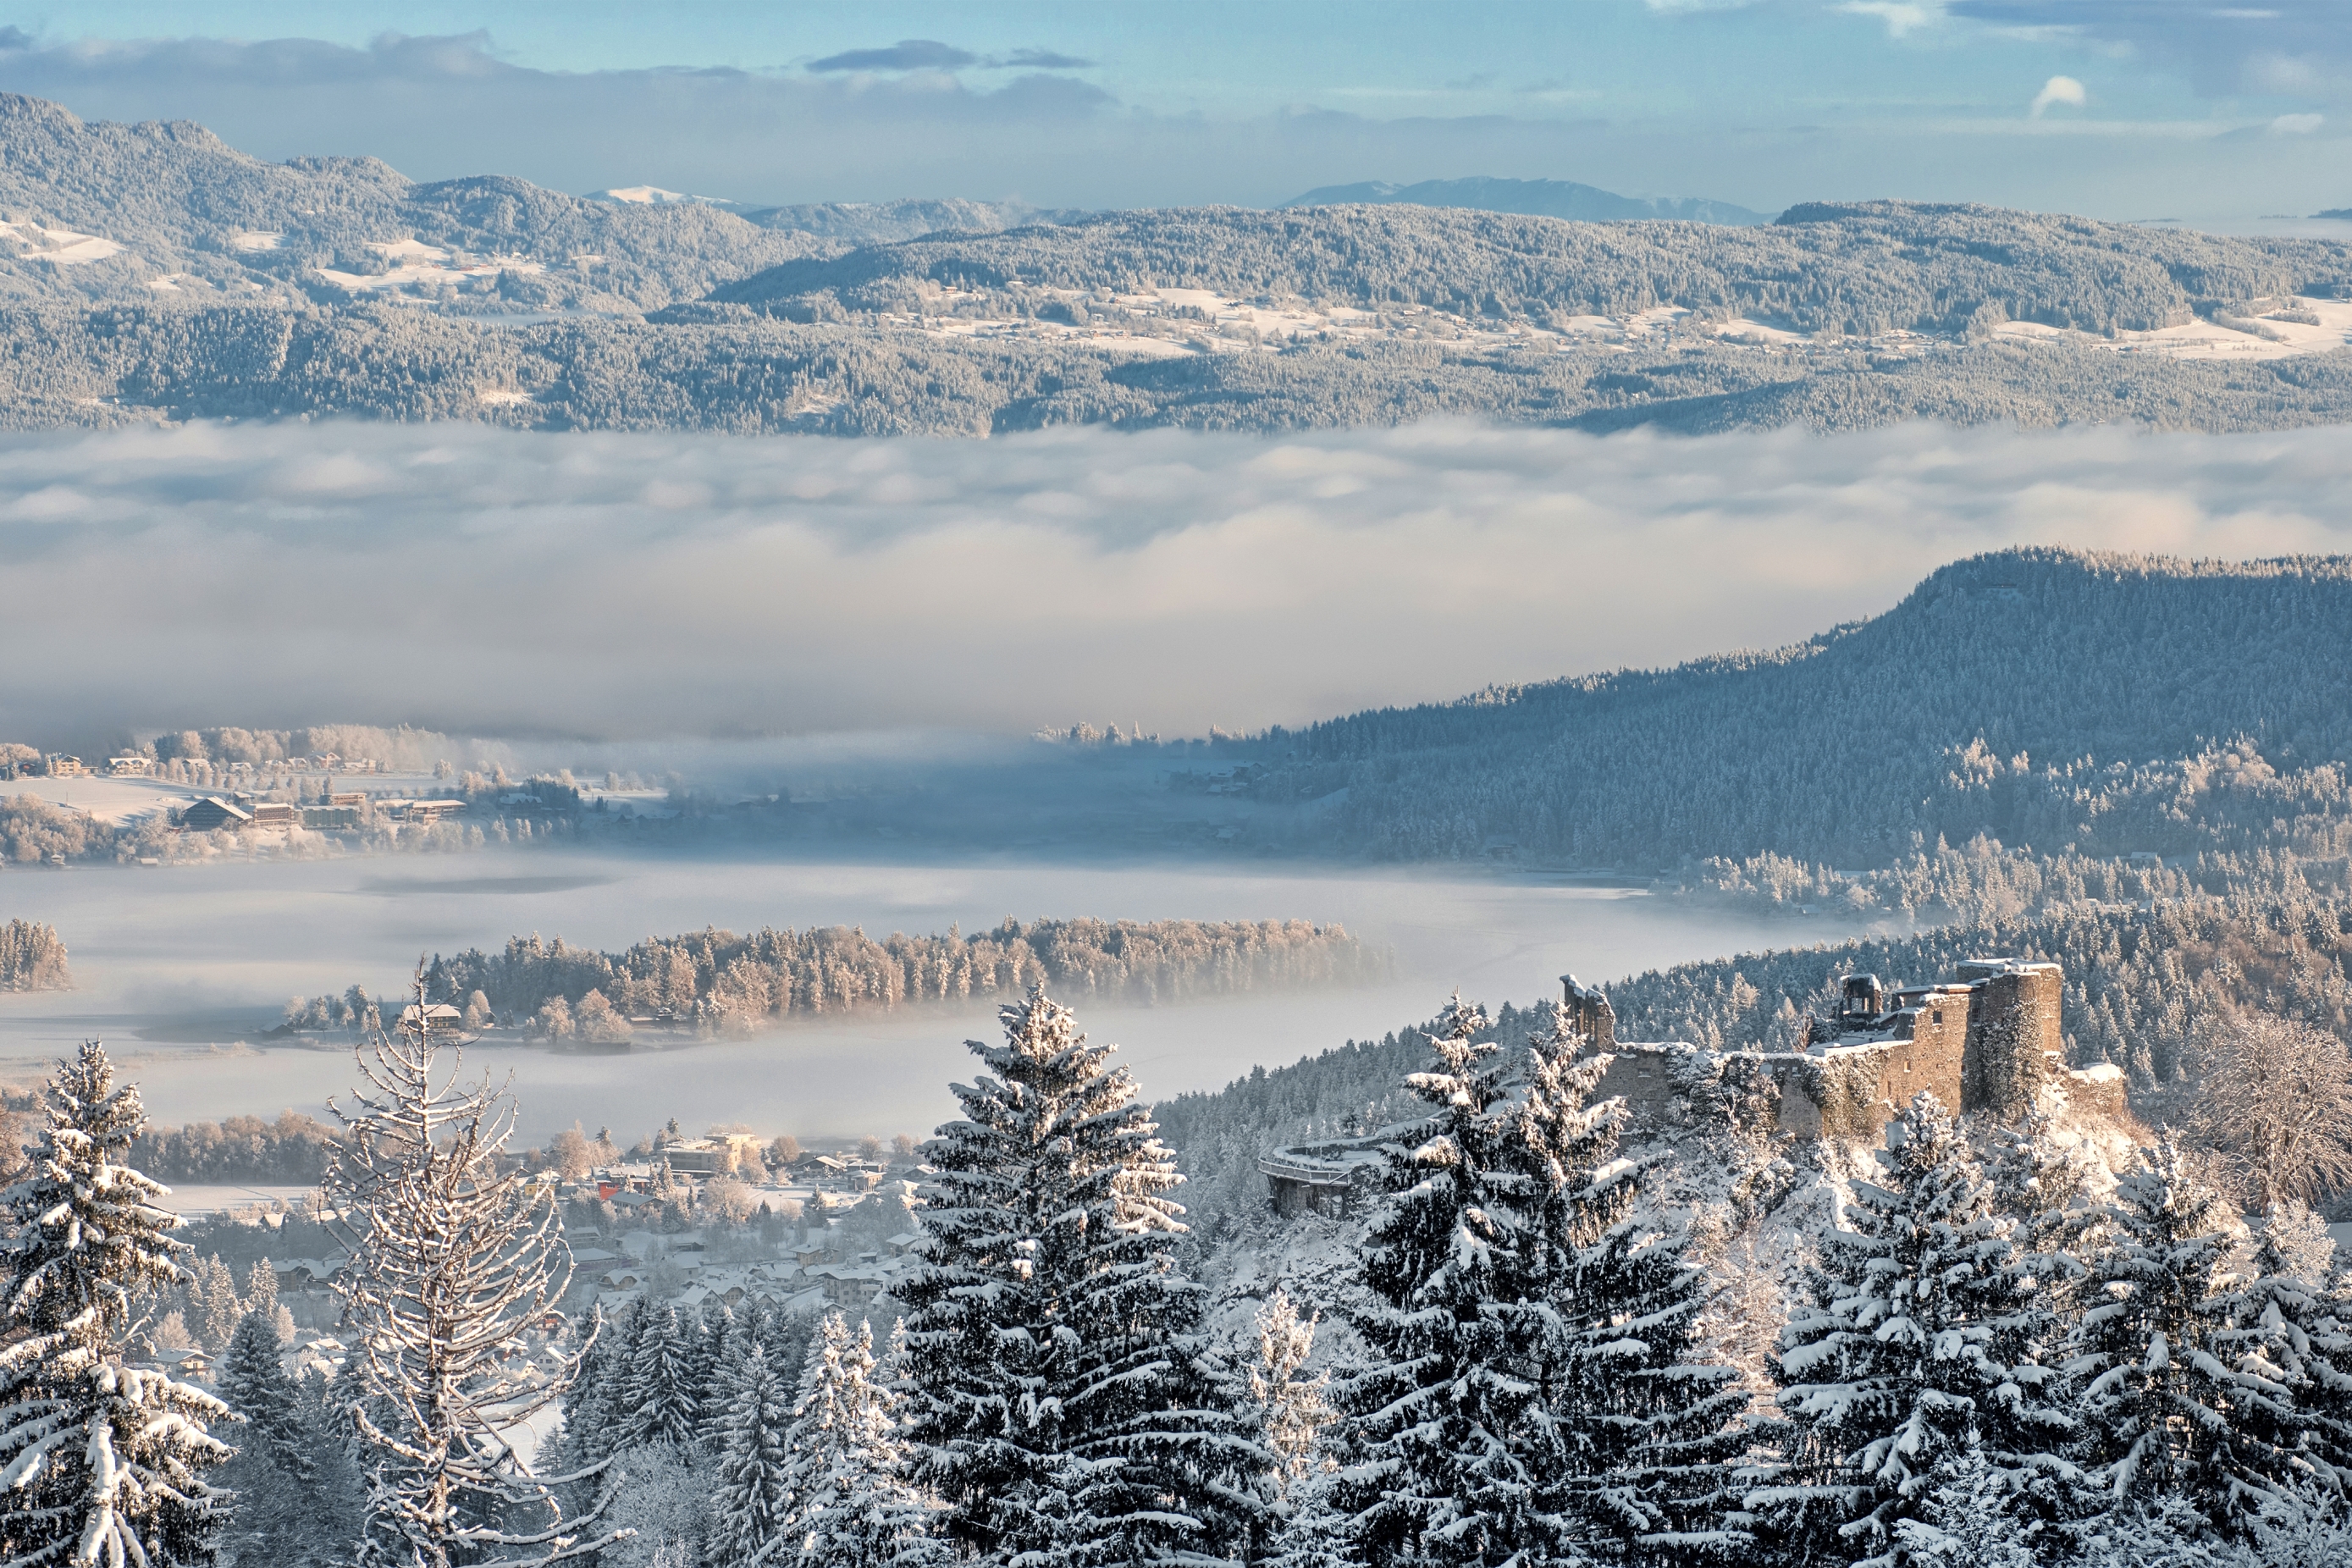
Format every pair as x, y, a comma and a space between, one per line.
487, 582
2116, 109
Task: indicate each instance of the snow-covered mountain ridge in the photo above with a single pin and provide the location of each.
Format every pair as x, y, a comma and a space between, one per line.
154, 272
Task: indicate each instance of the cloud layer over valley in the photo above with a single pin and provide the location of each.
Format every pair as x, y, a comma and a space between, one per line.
497, 582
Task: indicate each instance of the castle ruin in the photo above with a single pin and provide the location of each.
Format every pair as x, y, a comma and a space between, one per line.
1984, 1042
1987, 1041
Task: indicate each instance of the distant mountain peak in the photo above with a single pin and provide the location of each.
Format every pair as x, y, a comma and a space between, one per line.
654, 197
1531, 198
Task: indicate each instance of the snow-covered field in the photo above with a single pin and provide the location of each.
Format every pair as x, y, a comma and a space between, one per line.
416, 265
59, 246
108, 800
2326, 325
1175, 322
200, 1199
180, 969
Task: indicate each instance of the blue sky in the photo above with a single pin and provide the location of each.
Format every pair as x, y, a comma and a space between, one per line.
2126, 108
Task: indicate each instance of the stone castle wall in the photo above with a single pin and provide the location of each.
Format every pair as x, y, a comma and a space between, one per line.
1981, 1043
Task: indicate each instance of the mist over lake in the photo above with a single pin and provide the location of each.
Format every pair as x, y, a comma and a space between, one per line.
182, 968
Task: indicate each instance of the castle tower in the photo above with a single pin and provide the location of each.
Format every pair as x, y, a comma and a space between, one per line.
1595, 1019
2014, 1040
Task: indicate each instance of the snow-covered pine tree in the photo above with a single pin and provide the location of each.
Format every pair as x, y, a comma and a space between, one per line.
1454, 1449
721, 1344
1285, 1404
1317, 1533
261, 1296
100, 1463
1061, 1401
1912, 1357
660, 1386
255, 1384
849, 1505
594, 1417
2160, 1409
276, 1473
451, 1258
2276, 1329
1647, 1426
1968, 1521
750, 1499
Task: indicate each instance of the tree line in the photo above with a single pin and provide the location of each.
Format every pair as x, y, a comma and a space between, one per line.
32, 958
734, 983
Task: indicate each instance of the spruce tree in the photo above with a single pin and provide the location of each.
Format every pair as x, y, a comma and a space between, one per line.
1063, 1402
2277, 1329
100, 1462
1457, 1449
2160, 1409
1286, 1405
750, 1500
1905, 1366
722, 1345
594, 1413
255, 1384
276, 1474
849, 1505
1316, 1532
659, 1385
1646, 1424
1968, 1521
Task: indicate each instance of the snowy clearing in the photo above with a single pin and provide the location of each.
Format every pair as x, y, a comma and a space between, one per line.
59, 246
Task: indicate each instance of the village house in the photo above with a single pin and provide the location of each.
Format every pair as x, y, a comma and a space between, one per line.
213, 812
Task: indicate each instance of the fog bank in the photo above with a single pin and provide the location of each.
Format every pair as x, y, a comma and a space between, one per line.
638, 587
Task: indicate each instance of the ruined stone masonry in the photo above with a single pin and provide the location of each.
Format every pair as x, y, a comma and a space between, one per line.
1986, 1041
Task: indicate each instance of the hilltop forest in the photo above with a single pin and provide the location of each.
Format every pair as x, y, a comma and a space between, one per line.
158, 274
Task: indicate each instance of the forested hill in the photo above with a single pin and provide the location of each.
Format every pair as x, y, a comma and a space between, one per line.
1541, 198
2119, 703
1861, 269
180, 216
153, 272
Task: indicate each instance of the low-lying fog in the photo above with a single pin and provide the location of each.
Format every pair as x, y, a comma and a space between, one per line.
489, 582
175, 966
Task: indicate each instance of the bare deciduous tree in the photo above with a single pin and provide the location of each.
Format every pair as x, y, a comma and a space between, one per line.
451, 1260
2274, 1103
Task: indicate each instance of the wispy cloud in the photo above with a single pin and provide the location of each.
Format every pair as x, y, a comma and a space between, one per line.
2299, 48
2059, 89
930, 53
488, 581
1040, 60
906, 55
1902, 16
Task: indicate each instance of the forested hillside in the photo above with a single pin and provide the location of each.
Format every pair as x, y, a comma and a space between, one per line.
739, 373
191, 216
1860, 269
1537, 198
153, 272
2047, 697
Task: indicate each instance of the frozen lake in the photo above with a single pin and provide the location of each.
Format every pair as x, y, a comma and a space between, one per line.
179, 969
